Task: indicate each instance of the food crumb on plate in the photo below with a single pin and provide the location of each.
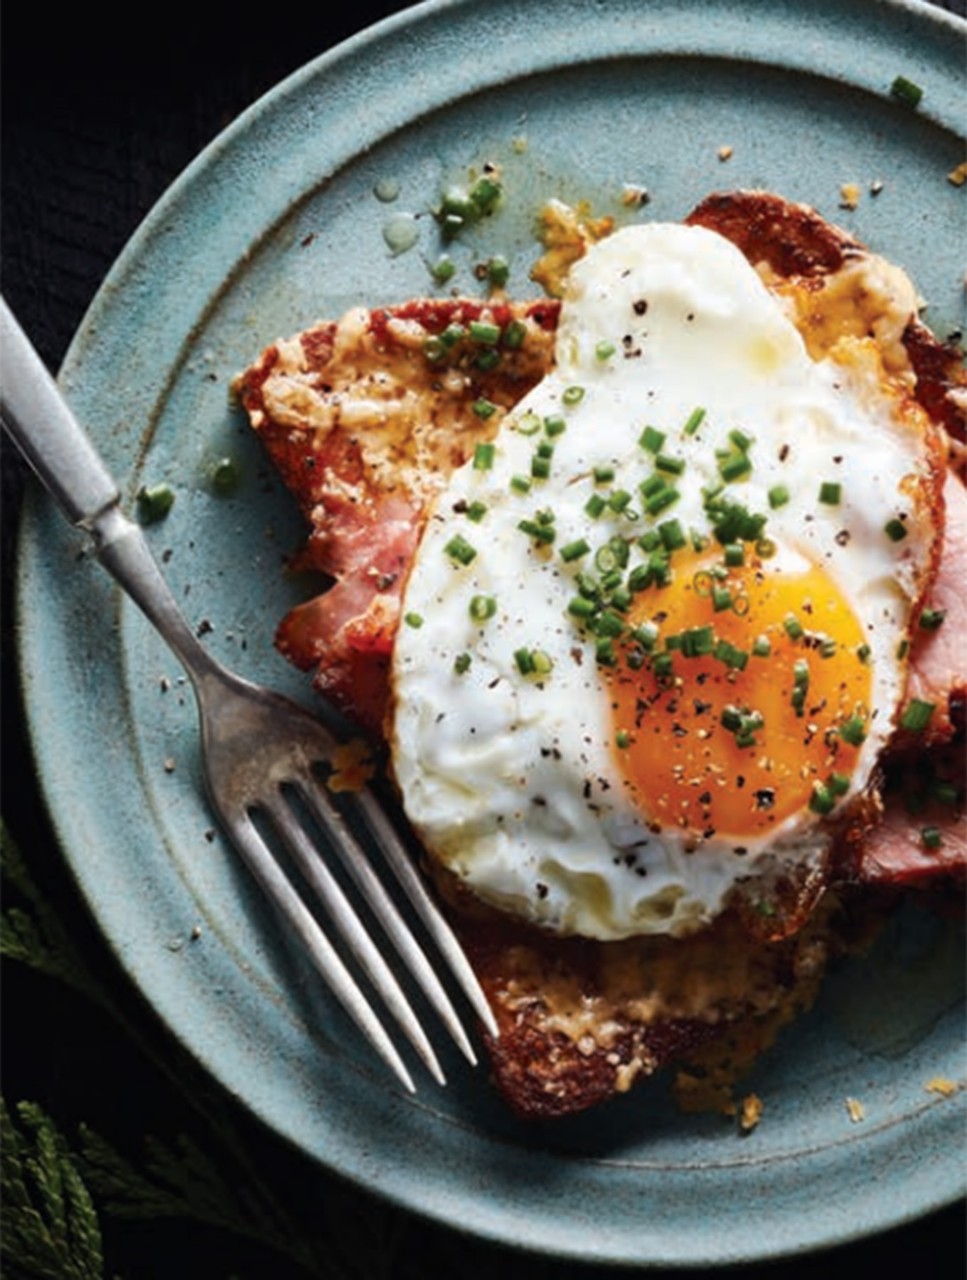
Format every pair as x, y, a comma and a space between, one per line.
352, 766
855, 1110
849, 195
750, 1112
958, 175
725, 153
940, 1084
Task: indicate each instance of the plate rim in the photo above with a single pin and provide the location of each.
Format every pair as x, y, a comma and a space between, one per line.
99, 314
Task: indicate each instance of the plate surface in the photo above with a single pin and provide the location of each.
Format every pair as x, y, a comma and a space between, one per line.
286, 219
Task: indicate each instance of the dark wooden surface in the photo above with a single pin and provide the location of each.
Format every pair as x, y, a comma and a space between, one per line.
101, 110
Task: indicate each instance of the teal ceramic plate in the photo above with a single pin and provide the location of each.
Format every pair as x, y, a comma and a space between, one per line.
285, 219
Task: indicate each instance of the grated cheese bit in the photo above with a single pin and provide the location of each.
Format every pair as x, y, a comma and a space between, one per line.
940, 1084
855, 1110
352, 766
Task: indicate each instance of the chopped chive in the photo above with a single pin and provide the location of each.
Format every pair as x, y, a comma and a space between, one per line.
621, 739
734, 554
525, 661
663, 664
792, 626
735, 467
741, 441
604, 350
528, 424
732, 657
595, 505
695, 420
822, 799
609, 623
489, 358
481, 608
476, 511
540, 467
672, 535
604, 652
155, 502
651, 439
916, 715
514, 335
572, 395
414, 620
461, 663
483, 457
838, 783
540, 532
943, 791
588, 585
932, 837
520, 484
460, 550
906, 91
863, 652
488, 335
574, 550
646, 634
621, 598
452, 334
582, 607
484, 195
603, 474
619, 499
761, 647
484, 408
895, 530
555, 425
443, 269
498, 271
659, 501
931, 619
731, 718
652, 485
853, 731
434, 348
778, 496
830, 493
697, 642
671, 466
543, 662
721, 598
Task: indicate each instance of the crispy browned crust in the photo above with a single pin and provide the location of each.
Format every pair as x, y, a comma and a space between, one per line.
797, 242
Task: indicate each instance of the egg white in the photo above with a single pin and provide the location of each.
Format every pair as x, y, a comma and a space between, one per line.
511, 780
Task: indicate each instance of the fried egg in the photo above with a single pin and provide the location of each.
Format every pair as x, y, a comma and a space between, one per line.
653, 635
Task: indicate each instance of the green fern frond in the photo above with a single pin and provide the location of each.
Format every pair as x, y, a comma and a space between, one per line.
50, 1229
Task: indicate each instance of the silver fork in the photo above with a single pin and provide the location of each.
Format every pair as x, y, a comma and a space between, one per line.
261, 753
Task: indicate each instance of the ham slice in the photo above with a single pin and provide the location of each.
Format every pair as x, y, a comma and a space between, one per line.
938, 661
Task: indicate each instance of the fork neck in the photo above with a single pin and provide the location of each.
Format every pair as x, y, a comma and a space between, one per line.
123, 550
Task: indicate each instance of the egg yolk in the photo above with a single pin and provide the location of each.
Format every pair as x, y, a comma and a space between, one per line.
733, 721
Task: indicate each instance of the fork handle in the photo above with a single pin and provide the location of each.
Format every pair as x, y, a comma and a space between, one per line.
43, 427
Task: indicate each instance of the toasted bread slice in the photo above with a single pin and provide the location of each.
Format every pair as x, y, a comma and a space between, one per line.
365, 420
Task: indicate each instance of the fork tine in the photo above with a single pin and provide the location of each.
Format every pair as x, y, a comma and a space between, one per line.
344, 916
397, 857
277, 888
384, 908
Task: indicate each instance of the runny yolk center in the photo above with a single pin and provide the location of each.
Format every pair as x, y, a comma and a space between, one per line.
734, 741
